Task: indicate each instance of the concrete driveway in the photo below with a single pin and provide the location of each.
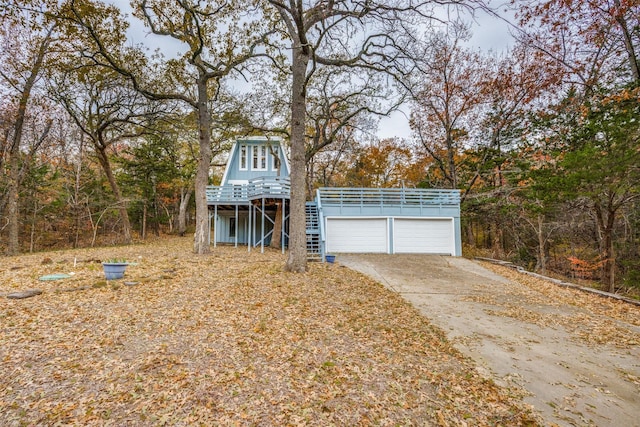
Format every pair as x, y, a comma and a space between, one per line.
567, 381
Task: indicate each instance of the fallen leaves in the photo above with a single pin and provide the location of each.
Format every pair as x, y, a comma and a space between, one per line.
595, 320
227, 339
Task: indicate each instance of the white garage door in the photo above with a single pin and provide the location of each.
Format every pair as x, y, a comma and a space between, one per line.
357, 235
425, 236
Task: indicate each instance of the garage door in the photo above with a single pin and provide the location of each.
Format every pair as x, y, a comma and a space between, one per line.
357, 235
426, 236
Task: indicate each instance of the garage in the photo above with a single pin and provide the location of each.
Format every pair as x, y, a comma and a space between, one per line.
424, 235
357, 235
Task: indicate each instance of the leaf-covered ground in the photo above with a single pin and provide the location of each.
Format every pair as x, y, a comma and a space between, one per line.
596, 320
226, 339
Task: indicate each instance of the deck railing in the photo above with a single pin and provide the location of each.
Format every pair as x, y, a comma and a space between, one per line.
233, 194
267, 187
273, 187
388, 197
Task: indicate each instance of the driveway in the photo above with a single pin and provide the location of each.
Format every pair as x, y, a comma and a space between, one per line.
569, 381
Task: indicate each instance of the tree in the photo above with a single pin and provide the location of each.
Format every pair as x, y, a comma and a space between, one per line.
449, 92
517, 84
603, 167
108, 111
218, 39
594, 41
160, 168
334, 34
22, 68
385, 164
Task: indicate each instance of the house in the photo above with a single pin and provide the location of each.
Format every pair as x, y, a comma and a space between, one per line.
255, 185
252, 204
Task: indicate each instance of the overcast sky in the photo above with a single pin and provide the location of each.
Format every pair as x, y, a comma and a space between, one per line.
489, 33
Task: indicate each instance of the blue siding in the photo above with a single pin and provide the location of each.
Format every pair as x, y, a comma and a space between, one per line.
392, 203
258, 160
223, 233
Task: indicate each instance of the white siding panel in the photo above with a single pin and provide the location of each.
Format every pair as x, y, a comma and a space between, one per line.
357, 235
425, 235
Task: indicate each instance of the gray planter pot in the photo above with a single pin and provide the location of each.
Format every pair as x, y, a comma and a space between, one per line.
114, 270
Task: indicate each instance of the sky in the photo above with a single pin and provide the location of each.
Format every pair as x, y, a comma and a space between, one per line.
489, 33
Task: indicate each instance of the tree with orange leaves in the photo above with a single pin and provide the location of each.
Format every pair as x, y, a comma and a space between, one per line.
593, 40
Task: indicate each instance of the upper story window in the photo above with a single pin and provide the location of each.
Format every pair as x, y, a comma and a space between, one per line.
276, 158
244, 157
259, 157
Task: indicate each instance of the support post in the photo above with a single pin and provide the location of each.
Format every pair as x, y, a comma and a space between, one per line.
262, 229
235, 232
215, 226
249, 228
284, 215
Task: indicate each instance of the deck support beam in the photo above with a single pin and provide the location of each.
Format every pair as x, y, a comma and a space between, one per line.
215, 226
250, 229
235, 232
262, 229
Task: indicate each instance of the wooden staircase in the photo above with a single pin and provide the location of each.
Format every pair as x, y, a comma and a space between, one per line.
314, 250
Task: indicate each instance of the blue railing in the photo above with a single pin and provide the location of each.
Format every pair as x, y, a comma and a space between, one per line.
267, 187
387, 197
273, 187
229, 194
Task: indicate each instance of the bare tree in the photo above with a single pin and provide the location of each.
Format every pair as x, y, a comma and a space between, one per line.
218, 39
107, 110
449, 92
351, 34
22, 67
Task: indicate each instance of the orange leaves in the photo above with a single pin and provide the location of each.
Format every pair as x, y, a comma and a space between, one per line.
584, 269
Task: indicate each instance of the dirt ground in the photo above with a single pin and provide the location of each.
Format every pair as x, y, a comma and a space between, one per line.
576, 355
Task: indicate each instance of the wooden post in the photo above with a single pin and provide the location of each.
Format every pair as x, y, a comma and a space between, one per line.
215, 227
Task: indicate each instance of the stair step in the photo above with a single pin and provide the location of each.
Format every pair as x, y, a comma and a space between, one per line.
313, 232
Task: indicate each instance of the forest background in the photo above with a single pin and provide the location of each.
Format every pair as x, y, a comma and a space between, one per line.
101, 139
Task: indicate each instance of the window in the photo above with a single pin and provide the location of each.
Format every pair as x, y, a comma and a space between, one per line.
244, 158
232, 227
259, 158
276, 158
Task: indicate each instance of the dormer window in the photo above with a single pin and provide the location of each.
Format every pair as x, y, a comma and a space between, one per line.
259, 158
244, 157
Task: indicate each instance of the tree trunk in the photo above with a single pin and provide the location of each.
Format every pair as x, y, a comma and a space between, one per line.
143, 231
201, 242
542, 254
13, 189
496, 241
471, 240
122, 206
605, 224
609, 261
76, 207
297, 261
311, 178
185, 196
628, 44
451, 159
13, 213
276, 241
